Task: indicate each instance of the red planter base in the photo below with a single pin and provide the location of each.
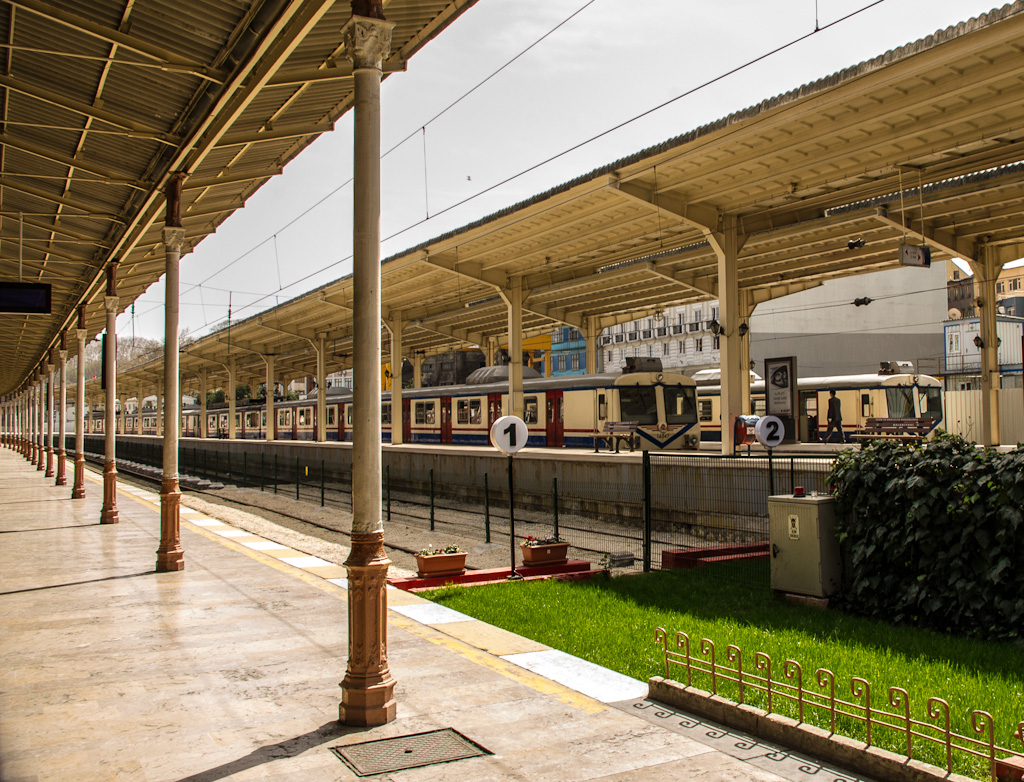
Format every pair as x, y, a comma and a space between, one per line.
441, 565
549, 554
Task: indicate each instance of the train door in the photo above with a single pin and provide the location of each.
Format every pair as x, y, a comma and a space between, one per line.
406, 421
342, 412
446, 420
295, 423
493, 409
808, 417
555, 429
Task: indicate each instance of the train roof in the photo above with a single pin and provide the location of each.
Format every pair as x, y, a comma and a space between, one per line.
865, 380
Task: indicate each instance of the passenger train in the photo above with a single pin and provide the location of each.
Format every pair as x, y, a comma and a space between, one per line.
889, 394
564, 411
673, 411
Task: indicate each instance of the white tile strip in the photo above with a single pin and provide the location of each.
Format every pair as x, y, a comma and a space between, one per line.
586, 677
262, 545
207, 522
431, 614
342, 582
305, 562
231, 533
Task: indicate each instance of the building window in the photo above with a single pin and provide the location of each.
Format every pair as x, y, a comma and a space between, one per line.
682, 347
609, 359
699, 344
575, 361
714, 342
1000, 287
1015, 284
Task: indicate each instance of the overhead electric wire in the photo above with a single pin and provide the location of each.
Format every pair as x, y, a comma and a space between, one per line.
534, 167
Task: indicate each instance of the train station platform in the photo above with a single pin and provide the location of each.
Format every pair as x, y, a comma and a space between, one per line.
229, 670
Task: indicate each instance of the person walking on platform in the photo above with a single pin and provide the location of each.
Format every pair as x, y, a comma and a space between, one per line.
835, 418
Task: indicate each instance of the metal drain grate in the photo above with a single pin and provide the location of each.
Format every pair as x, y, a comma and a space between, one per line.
419, 749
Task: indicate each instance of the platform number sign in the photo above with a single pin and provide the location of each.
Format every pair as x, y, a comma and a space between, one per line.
509, 434
770, 431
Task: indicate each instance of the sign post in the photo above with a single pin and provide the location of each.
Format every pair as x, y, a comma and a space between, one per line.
509, 434
770, 432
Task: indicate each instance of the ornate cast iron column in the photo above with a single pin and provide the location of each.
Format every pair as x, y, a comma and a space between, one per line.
78, 487
63, 412
169, 555
109, 514
368, 690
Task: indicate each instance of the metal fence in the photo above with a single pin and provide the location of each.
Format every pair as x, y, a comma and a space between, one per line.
668, 511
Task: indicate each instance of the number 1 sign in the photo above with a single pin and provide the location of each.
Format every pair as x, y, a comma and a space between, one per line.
509, 434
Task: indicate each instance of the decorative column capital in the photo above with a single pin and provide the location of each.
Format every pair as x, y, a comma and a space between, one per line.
82, 334
174, 238
110, 303
367, 41
63, 355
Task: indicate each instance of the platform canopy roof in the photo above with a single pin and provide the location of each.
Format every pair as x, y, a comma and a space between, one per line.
102, 100
922, 144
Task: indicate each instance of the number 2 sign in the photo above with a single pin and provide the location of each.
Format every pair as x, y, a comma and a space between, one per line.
770, 431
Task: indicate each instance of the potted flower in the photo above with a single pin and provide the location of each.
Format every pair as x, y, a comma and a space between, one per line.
544, 551
440, 562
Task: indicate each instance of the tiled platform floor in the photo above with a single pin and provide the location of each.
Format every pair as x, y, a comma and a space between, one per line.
229, 670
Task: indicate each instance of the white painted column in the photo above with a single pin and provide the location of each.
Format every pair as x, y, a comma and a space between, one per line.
232, 383
109, 513
321, 388
271, 432
203, 433
169, 554
48, 403
513, 297
158, 407
590, 332
38, 416
396, 325
987, 268
727, 246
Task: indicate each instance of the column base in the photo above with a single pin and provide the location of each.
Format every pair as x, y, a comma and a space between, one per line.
368, 689
109, 514
49, 463
40, 458
78, 490
62, 479
170, 557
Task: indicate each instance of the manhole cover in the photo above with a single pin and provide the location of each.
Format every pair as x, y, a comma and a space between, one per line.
419, 749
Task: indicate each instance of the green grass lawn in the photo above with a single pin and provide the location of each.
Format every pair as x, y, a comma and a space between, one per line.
612, 621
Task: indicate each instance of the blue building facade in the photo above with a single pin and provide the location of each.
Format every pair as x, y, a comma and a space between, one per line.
568, 352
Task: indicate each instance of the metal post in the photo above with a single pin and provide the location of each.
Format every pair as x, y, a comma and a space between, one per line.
771, 473
792, 474
298, 478
431, 499
387, 488
647, 511
321, 483
275, 473
512, 576
487, 513
554, 501
245, 465
261, 470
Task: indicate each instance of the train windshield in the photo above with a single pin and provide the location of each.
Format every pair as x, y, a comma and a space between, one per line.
638, 403
900, 402
931, 403
680, 405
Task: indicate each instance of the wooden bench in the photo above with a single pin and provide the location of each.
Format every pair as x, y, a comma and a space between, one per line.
616, 432
905, 429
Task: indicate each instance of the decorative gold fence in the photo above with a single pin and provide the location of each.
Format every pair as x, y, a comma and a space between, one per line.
891, 714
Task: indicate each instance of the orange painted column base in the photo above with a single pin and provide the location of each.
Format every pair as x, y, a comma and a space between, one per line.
40, 458
368, 690
49, 462
170, 556
109, 514
62, 479
78, 489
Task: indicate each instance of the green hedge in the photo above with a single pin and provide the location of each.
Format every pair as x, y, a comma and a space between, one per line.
932, 536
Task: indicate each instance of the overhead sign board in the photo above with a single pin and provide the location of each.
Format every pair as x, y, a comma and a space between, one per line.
915, 255
26, 297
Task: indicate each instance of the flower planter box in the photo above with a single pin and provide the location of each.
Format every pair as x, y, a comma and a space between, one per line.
547, 554
441, 565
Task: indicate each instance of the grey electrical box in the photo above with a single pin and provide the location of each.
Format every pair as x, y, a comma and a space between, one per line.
804, 549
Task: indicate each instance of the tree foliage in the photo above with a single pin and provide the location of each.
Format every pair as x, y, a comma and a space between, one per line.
933, 535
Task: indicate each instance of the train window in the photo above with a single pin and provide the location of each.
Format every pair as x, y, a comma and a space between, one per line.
385, 413
760, 407
530, 410
238, 420
602, 407
930, 402
332, 416
680, 405
263, 418
284, 417
638, 403
865, 405
305, 415
900, 402
469, 411
211, 421
252, 420
705, 410
424, 412
348, 415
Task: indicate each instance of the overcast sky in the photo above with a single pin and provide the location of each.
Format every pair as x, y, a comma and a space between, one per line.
609, 63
